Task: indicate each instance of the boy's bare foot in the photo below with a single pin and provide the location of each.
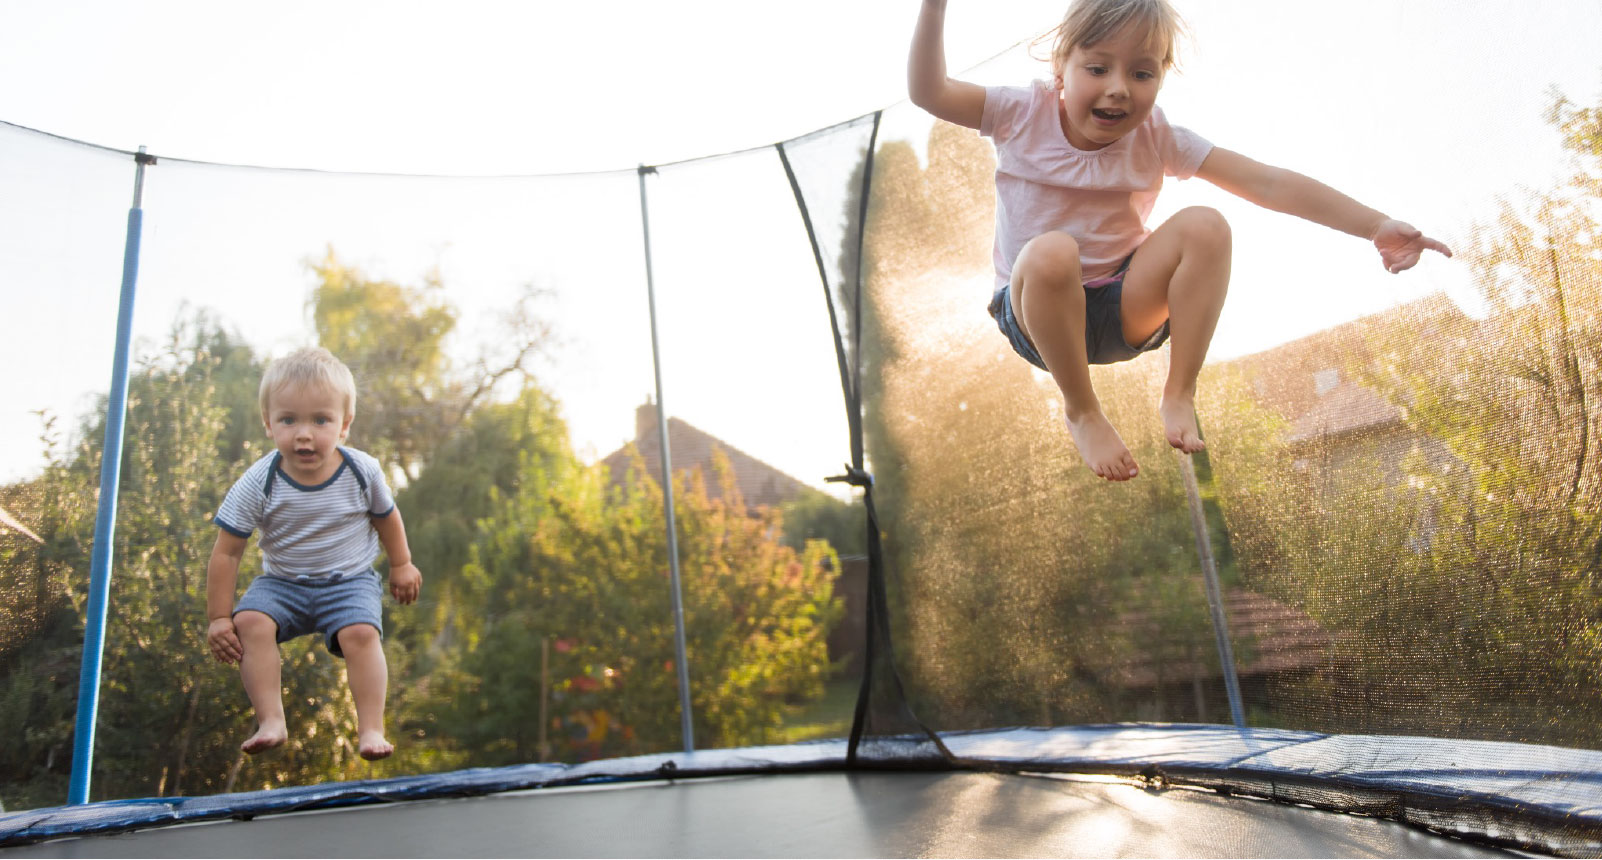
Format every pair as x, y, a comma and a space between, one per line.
372, 746
1101, 446
1179, 424
267, 736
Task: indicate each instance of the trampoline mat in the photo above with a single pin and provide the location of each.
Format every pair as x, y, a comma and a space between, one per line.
859, 814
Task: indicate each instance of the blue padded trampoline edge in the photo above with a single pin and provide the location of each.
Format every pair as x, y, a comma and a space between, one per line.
1547, 783
117, 816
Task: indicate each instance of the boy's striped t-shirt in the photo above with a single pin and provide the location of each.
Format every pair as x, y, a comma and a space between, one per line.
310, 531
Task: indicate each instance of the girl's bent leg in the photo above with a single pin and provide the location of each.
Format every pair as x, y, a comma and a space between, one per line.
261, 672
1048, 298
1180, 274
368, 673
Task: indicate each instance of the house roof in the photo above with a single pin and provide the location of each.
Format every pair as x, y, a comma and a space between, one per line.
760, 484
1284, 377
1269, 637
1347, 408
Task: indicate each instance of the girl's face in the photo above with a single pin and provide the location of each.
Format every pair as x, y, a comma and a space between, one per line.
1106, 90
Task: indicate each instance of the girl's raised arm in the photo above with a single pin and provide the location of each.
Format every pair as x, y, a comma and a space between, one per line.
953, 101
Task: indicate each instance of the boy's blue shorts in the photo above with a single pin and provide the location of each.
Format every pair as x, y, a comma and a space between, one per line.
1104, 327
323, 605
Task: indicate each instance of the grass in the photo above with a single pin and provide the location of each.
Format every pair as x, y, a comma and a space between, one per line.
827, 717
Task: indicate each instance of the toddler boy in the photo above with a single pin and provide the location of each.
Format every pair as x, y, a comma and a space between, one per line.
323, 510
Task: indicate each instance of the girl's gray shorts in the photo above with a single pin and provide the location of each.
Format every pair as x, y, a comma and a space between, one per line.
325, 605
1104, 326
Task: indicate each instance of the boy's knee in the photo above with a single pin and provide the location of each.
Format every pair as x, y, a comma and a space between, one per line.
251, 624
1205, 224
1050, 257
356, 636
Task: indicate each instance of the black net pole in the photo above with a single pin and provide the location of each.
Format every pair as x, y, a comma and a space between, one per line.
1215, 599
877, 620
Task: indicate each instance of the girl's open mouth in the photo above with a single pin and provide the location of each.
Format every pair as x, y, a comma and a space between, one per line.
1107, 115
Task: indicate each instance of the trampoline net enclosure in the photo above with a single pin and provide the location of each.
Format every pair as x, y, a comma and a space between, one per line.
1400, 489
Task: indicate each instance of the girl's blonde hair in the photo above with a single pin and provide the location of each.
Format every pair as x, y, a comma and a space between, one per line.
311, 365
1091, 21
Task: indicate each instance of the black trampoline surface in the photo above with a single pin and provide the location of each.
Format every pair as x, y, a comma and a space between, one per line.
835, 814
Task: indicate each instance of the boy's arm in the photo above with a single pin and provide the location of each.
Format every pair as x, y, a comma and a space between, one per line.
1398, 243
951, 100
222, 575
405, 580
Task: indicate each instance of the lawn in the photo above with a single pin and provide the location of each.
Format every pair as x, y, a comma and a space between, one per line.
828, 717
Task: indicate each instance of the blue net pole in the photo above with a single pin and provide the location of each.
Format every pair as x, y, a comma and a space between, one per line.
94, 641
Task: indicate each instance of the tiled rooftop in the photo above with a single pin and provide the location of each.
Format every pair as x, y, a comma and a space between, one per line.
691, 448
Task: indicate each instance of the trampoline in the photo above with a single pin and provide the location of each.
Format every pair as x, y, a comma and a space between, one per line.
1166, 791
861, 814
1362, 623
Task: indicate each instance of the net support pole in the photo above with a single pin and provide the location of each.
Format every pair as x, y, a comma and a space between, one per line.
681, 658
94, 639
1215, 598
876, 618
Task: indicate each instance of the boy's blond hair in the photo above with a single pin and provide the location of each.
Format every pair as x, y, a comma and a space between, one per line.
1091, 21
310, 365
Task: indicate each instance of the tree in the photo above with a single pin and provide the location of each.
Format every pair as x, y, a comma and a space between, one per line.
575, 577
163, 711
501, 451
40, 638
172, 719
819, 516
1452, 552
393, 337
1509, 523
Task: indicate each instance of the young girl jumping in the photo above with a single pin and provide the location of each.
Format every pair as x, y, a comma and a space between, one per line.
1080, 280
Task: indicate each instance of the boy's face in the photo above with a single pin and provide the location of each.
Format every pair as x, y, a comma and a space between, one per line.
306, 423
1107, 90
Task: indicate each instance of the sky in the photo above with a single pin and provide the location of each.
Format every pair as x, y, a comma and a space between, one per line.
1427, 110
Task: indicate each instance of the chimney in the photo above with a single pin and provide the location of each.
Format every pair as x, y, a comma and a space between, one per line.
645, 421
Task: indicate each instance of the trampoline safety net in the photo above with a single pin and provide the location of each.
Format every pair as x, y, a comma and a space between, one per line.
1400, 492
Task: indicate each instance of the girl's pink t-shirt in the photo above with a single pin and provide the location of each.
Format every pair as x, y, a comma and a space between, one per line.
1101, 197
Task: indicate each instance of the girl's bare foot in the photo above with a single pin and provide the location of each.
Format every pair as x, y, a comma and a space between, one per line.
372, 746
1179, 423
1101, 446
267, 736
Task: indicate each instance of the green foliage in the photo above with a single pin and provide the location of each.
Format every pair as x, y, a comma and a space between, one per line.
1505, 518
517, 451
156, 675
411, 396
578, 578
518, 542
819, 516
500, 450
40, 641
37, 697
1449, 560
160, 701
392, 337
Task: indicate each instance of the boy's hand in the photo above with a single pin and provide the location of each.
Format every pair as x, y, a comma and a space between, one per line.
224, 641
405, 582
1400, 245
